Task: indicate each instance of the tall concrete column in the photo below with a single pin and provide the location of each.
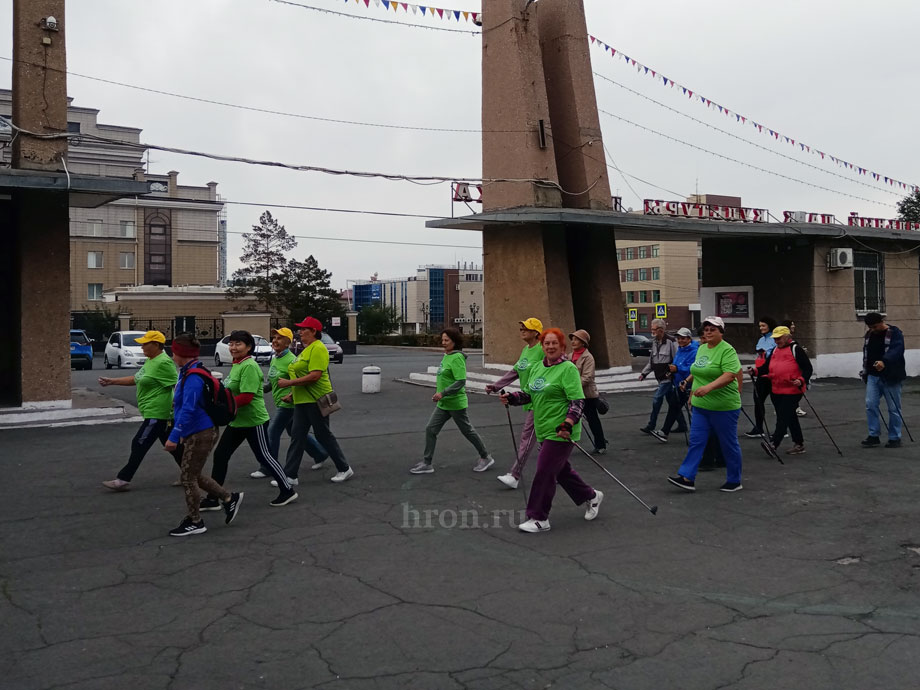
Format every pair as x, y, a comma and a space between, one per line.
41, 219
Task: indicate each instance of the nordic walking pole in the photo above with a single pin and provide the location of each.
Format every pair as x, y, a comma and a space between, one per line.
903, 423
764, 441
652, 509
514, 443
839, 452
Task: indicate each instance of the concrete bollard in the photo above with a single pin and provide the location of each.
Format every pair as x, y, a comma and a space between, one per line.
370, 380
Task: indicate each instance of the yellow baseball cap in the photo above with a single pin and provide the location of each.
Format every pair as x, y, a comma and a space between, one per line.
284, 333
151, 337
533, 324
780, 331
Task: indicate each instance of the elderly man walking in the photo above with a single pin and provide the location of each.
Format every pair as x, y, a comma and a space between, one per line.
664, 350
884, 370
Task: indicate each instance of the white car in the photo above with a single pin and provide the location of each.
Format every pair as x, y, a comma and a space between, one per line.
262, 353
122, 351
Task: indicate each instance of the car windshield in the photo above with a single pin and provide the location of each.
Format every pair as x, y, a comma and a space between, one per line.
79, 338
327, 340
128, 338
260, 341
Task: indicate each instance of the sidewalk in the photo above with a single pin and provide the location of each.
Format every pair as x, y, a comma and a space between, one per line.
806, 579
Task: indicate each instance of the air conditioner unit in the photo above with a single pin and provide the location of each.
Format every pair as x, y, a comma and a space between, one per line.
841, 257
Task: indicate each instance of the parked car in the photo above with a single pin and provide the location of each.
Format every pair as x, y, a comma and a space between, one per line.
262, 352
335, 350
81, 350
122, 351
639, 345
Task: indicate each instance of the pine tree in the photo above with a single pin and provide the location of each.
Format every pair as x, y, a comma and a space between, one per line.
909, 207
264, 259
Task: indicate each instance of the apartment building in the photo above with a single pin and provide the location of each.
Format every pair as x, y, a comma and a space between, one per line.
661, 272
434, 298
174, 235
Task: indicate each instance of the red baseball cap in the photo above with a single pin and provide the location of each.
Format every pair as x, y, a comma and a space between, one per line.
310, 322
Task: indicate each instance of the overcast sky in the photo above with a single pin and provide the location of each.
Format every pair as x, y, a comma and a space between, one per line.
836, 75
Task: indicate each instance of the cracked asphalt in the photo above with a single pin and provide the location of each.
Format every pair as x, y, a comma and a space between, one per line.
806, 578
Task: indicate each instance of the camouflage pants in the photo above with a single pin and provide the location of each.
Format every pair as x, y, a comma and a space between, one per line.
195, 451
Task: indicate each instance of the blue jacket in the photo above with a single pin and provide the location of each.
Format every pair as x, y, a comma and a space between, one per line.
766, 343
188, 414
683, 360
895, 367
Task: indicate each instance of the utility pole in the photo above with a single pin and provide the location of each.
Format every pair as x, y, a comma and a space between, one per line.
474, 310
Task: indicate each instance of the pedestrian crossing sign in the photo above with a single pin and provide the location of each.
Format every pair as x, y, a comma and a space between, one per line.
661, 310
633, 314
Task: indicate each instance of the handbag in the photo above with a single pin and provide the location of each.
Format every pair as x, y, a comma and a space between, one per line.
603, 407
329, 403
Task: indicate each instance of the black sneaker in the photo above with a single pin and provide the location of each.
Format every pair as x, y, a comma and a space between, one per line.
661, 436
187, 527
682, 482
754, 433
209, 504
870, 442
731, 487
284, 498
232, 506
646, 430
893, 443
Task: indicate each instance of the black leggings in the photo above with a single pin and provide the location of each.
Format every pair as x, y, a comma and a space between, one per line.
257, 436
761, 392
151, 431
786, 418
597, 431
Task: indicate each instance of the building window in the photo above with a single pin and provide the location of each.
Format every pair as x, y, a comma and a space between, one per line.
643, 320
158, 258
619, 254
655, 250
699, 272
73, 127
157, 229
126, 260
643, 252
643, 296
869, 281
643, 274
656, 295
127, 229
94, 259
94, 292
630, 275
95, 227
656, 273
630, 252
630, 297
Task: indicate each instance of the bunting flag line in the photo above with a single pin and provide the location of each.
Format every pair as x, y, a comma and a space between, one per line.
744, 120
425, 10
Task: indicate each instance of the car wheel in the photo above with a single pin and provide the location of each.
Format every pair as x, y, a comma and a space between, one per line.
217, 362
119, 362
340, 359
105, 362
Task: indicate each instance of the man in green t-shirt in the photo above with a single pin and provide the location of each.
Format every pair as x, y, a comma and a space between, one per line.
531, 355
155, 381
716, 405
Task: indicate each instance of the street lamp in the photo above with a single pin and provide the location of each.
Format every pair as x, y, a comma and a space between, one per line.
474, 310
425, 309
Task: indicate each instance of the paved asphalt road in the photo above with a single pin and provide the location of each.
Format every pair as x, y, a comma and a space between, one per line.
806, 579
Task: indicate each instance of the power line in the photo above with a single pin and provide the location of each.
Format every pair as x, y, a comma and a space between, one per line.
375, 19
740, 162
746, 141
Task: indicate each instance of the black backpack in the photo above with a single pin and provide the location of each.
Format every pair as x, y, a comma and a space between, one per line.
218, 402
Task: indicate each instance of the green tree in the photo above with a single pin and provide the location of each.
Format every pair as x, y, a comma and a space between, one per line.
909, 207
376, 319
304, 289
264, 260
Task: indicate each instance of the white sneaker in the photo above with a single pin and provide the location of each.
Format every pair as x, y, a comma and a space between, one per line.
800, 412
534, 526
292, 481
484, 464
594, 505
509, 481
259, 474
318, 465
343, 476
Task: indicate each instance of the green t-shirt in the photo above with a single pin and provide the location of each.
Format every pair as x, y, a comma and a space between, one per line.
278, 369
452, 369
529, 357
709, 365
155, 381
246, 377
552, 389
315, 357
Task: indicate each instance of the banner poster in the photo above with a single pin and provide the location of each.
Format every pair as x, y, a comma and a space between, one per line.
733, 305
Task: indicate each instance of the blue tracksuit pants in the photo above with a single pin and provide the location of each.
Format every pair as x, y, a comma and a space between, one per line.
725, 426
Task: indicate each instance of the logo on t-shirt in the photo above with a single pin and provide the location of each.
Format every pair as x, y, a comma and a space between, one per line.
440, 369
537, 384
702, 361
522, 364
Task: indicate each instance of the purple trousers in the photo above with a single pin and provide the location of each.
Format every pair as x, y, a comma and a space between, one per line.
553, 467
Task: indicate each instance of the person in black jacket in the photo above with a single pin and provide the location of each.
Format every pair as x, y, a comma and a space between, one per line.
789, 370
883, 371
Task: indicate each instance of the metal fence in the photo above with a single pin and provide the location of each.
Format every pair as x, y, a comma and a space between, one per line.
206, 330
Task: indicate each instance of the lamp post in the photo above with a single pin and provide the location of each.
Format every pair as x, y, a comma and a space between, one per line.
425, 309
474, 310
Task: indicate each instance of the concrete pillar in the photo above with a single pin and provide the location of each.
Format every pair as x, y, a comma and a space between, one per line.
514, 104
352, 317
576, 130
124, 322
173, 182
39, 84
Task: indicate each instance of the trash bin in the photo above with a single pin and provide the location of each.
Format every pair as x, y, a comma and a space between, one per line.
370, 380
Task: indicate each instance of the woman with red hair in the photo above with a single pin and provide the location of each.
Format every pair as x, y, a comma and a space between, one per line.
554, 388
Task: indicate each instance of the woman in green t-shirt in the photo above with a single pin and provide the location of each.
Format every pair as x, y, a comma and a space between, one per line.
451, 403
250, 423
155, 381
716, 402
554, 388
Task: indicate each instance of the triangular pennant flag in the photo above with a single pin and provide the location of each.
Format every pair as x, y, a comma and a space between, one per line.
689, 94
394, 5
653, 73
646, 70
612, 52
665, 80
414, 9
457, 15
466, 16
440, 12
593, 40
377, 3
633, 63
423, 9
405, 7
386, 3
